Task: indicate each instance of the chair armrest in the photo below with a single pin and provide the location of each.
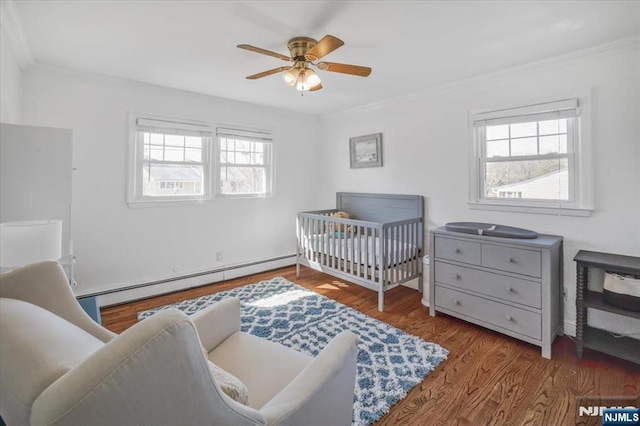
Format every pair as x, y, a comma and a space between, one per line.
153, 373
45, 284
217, 322
323, 392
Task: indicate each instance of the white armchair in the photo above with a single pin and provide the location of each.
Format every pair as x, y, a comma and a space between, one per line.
58, 369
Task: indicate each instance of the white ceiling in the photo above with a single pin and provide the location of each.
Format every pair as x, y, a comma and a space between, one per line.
411, 45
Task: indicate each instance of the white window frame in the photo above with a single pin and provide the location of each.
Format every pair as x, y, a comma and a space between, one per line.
580, 201
254, 135
135, 197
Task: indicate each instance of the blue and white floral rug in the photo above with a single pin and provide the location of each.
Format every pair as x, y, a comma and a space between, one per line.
390, 361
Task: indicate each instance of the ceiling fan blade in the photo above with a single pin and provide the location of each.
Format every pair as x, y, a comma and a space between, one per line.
266, 73
316, 87
264, 52
345, 68
325, 46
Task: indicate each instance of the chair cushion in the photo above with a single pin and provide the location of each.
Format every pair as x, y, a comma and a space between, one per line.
264, 367
230, 384
36, 348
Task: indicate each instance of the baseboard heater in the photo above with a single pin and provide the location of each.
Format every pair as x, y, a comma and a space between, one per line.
187, 276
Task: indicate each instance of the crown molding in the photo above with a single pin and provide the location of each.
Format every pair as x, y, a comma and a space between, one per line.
104, 79
600, 50
12, 27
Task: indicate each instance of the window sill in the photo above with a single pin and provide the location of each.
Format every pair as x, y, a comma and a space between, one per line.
164, 203
241, 196
548, 210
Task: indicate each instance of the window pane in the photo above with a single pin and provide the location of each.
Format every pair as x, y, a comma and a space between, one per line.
537, 179
156, 153
498, 132
553, 127
193, 142
173, 140
242, 180
173, 153
172, 180
157, 139
243, 145
498, 148
243, 157
520, 130
193, 155
257, 158
258, 146
526, 146
231, 157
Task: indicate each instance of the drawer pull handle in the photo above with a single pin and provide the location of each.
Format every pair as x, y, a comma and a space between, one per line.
510, 289
508, 318
510, 260
458, 277
458, 251
456, 302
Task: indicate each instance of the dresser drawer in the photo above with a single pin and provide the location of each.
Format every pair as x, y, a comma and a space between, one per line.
508, 288
507, 317
526, 262
458, 250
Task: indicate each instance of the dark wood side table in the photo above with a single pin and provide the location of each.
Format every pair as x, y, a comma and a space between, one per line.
593, 338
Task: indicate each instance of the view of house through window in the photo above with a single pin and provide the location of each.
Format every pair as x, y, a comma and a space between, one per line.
527, 156
527, 160
244, 166
173, 165
170, 160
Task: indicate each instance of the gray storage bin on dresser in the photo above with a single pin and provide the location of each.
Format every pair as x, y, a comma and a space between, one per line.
510, 285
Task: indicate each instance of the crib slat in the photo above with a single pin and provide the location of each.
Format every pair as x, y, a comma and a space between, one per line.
405, 251
357, 254
353, 250
414, 248
365, 247
402, 256
396, 254
340, 248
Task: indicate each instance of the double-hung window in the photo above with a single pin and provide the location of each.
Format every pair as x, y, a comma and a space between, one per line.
529, 158
245, 163
170, 160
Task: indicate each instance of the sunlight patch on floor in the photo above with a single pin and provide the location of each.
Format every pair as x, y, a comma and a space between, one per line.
336, 285
281, 299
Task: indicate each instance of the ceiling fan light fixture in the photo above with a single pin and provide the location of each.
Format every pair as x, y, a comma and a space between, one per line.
307, 79
312, 78
291, 77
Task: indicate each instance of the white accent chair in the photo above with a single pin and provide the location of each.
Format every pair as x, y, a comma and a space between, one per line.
58, 367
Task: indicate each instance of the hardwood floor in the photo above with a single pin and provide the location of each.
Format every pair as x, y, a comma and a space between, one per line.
487, 379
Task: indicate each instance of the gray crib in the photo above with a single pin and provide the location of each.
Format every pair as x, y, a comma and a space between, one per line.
379, 247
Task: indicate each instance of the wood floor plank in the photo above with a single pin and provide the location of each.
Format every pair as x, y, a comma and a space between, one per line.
488, 378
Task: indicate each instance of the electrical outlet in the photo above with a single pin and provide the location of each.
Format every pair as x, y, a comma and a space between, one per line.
219, 256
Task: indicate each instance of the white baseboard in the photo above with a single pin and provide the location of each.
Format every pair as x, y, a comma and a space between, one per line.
570, 328
143, 292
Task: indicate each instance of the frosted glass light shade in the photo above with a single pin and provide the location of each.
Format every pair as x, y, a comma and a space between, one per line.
25, 242
291, 76
308, 79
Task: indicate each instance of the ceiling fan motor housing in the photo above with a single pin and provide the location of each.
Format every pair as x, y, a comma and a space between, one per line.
299, 46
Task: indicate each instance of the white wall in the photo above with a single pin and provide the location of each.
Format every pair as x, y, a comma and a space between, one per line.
116, 245
10, 83
426, 146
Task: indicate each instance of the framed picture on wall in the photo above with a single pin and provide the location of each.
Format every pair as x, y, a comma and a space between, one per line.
366, 151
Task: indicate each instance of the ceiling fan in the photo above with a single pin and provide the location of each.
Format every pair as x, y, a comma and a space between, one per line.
304, 52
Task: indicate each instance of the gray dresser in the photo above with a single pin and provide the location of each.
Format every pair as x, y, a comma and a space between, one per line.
513, 286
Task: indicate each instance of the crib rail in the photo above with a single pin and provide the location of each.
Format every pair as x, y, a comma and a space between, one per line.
339, 244
378, 255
